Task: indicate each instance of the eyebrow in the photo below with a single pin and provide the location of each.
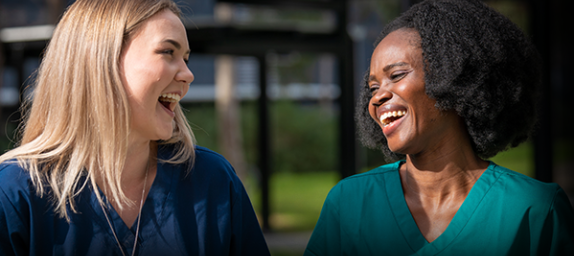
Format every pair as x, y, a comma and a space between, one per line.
388, 67
175, 44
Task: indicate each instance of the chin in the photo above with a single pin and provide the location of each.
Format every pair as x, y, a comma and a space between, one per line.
165, 135
397, 149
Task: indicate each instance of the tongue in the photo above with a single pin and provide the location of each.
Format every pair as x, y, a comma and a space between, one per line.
393, 118
165, 104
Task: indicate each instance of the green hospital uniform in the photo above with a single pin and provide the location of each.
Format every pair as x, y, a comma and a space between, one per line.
505, 213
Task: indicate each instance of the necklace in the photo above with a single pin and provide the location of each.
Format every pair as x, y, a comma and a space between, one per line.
139, 218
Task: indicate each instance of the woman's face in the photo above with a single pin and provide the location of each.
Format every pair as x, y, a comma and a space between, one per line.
407, 115
155, 75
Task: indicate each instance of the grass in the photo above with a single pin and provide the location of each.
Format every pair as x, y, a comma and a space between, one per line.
296, 198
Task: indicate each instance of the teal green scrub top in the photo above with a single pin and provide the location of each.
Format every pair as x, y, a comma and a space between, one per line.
505, 213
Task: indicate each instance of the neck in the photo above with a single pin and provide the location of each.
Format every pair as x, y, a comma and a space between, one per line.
139, 160
443, 173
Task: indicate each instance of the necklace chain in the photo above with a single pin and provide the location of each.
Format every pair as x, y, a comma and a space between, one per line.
139, 218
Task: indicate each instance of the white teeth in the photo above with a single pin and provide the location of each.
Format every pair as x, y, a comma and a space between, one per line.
385, 117
170, 97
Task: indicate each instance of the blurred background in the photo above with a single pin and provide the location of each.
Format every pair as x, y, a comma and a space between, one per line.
274, 91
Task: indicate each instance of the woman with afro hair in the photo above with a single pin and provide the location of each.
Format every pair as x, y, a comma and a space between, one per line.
451, 83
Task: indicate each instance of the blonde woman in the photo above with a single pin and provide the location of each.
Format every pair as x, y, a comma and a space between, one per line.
107, 163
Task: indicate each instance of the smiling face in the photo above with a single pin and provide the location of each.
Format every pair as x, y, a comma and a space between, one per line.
155, 75
407, 115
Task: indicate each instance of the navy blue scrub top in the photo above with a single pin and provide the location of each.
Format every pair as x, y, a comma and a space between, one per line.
205, 212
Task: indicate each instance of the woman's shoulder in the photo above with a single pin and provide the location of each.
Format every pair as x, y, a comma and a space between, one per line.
208, 159
15, 182
376, 179
376, 173
522, 188
206, 164
518, 181
205, 154
167, 151
12, 174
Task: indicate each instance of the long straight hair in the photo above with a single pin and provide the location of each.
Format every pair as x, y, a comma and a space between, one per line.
79, 120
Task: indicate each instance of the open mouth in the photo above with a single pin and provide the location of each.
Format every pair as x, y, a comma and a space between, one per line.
389, 117
169, 100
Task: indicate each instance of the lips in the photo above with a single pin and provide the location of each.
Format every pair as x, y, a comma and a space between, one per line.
390, 116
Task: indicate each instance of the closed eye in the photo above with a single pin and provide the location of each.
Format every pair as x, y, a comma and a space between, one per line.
373, 89
398, 76
167, 51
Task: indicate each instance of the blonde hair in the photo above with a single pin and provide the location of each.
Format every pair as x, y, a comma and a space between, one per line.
78, 124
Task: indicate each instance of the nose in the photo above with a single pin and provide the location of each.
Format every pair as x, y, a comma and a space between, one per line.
381, 96
185, 75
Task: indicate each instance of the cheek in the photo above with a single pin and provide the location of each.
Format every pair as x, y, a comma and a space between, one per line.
135, 87
143, 78
134, 78
372, 111
185, 90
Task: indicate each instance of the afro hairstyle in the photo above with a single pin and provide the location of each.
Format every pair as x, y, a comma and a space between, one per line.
477, 63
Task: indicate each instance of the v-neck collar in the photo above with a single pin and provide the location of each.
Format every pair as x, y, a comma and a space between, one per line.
152, 210
408, 226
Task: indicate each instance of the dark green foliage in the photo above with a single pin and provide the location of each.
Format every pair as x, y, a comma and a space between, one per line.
303, 137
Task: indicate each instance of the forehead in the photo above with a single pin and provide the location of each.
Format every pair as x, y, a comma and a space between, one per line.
401, 45
161, 26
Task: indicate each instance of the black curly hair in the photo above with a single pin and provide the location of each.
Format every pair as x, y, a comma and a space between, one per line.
478, 63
